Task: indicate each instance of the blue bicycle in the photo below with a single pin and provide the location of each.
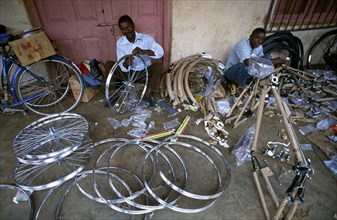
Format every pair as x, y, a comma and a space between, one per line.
43, 87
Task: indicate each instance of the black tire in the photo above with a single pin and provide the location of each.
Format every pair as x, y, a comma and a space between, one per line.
46, 86
326, 44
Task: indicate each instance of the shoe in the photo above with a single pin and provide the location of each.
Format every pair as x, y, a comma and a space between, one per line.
112, 102
150, 101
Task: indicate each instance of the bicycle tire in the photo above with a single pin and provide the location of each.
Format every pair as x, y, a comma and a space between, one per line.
50, 86
121, 89
319, 48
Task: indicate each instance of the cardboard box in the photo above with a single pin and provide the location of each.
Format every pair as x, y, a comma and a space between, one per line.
88, 94
33, 48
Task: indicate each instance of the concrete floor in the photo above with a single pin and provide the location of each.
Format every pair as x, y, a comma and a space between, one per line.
239, 201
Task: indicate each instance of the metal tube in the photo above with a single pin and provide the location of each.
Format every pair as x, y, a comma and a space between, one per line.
259, 118
258, 186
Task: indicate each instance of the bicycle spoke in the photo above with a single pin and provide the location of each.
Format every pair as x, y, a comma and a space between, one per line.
44, 176
122, 88
45, 86
50, 137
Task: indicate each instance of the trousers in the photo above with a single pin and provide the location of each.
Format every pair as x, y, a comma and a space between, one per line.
238, 74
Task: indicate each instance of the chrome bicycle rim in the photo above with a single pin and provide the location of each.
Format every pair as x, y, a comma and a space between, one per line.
50, 137
45, 176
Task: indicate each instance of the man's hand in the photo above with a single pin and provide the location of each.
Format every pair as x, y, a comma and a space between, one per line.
138, 51
128, 61
278, 61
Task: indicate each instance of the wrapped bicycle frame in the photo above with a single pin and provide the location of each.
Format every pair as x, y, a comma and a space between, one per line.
295, 192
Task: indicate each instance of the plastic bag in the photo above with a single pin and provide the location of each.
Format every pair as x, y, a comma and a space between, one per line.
242, 150
307, 129
306, 147
114, 123
332, 164
260, 67
325, 124
137, 132
171, 124
126, 122
222, 106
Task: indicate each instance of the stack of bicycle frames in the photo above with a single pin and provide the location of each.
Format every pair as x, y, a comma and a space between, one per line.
51, 151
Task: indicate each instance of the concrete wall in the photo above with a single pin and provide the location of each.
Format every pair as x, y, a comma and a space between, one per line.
14, 16
215, 26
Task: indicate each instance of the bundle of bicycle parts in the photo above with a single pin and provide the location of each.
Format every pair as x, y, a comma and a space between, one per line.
194, 83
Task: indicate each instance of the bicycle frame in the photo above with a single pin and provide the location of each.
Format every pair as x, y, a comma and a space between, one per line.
11, 82
16, 103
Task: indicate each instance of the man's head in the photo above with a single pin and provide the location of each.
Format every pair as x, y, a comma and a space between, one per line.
257, 37
127, 27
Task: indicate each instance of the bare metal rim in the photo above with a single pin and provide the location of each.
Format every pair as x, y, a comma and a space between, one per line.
18, 189
143, 209
144, 145
221, 187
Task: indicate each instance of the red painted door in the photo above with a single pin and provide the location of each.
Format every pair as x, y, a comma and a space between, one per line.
87, 29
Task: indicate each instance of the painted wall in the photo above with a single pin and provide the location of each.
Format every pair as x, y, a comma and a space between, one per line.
211, 26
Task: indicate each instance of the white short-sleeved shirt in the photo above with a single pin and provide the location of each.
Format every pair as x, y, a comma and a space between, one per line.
242, 51
143, 41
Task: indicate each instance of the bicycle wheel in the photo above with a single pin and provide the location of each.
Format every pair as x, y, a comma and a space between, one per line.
124, 90
45, 87
326, 44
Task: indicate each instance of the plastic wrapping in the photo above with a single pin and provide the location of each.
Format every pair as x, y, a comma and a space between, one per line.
260, 67
242, 150
212, 80
126, 122
307, 129
325, 124
137, 132
151, 126
333, 138
306, 147
171, 124
222, 106
114, 123
139, 124
142, 113
332, 164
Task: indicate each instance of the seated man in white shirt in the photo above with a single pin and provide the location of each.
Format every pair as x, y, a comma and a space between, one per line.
238, 60
139, 44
